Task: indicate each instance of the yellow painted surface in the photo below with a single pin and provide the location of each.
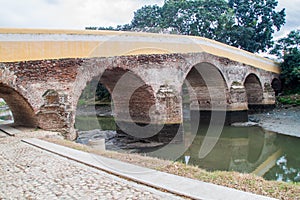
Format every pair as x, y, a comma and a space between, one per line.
267, 164
113, 45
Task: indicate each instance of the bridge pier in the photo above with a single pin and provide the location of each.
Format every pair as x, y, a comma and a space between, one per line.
266, 103
56, 114
161, 121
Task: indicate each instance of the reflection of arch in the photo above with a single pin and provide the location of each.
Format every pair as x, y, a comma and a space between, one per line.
22, 111
254, 89
276, 85
256, 145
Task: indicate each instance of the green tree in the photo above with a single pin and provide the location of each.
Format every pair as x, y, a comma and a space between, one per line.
291, 71
287, 45
102, 94
147, 16
207, 18
288, 49
255, 23
246, 24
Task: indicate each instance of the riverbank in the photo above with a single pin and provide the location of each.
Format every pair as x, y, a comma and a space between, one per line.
283, 120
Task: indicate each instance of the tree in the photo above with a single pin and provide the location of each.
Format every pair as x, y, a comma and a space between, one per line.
147, 16
288, 49
287, 44
246, 24
207, 18
290, 73
102, 94
255, 23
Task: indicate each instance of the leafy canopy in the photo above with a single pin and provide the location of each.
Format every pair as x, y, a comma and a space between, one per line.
288, 49
255, 23
246, 24
287, 45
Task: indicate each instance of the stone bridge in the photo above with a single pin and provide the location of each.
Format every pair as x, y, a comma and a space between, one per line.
150, 76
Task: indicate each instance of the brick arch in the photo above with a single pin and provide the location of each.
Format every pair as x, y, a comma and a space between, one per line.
22, 111
207, 95
199, 77
254, 89
129, 89
132, 91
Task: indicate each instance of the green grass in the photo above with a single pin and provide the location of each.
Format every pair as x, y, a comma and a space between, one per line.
289, 99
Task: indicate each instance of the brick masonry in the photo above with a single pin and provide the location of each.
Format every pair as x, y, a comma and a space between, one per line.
145, 88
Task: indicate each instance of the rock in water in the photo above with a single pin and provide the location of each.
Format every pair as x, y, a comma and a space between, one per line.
253, 119
244, 124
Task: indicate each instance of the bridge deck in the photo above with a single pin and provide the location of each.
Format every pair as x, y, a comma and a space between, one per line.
35, 44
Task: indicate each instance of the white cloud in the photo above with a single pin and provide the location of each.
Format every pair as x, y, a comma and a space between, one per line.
292, 10
74, 14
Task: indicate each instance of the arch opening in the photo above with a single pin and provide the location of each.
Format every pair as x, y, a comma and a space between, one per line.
254, 91
132, 97
6, 116
115, 96
276, 85
207, 91
22, 113
94, 108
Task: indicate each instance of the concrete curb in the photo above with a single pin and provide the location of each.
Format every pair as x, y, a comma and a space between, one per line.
9, 130
174, 184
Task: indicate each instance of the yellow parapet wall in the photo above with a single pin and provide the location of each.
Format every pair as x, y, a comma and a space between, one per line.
35, 44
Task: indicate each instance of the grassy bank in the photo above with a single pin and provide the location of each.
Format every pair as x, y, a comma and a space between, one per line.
245, 182
293, 99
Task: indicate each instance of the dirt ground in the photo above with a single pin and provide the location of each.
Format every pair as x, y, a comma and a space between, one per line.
284, 120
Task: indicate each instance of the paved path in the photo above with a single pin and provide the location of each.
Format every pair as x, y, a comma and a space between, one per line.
27, 172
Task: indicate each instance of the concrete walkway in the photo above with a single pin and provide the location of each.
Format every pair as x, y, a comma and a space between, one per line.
167, 182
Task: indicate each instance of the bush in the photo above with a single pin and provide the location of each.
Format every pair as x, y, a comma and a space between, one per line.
290, 73
289, 99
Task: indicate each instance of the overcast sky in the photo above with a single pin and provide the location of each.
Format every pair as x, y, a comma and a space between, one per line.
77, 14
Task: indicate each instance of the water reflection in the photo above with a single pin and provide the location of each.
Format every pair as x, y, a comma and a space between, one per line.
242, 149
246, 150
287, 166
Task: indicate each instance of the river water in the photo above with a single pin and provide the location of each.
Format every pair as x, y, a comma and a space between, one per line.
242, 149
